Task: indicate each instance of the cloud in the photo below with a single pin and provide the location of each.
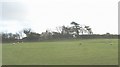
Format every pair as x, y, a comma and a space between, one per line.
13, 11
12, 17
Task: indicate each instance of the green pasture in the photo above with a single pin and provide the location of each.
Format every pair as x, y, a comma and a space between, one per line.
67, 52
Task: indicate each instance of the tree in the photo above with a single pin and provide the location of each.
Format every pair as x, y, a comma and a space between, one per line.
76, 27
10, 37
59, 29
107, 33
66, 30
4, 35
46, 35
27, 31
31, 36
21, 34
82, 30
89, 30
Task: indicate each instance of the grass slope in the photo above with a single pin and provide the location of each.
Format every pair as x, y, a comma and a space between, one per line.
73, 52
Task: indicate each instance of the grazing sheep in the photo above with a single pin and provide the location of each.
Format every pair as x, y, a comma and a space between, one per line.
13, 43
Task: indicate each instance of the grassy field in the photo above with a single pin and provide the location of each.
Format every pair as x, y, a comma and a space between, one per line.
67, 52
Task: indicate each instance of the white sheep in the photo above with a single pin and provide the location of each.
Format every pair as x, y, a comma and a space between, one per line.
13, 43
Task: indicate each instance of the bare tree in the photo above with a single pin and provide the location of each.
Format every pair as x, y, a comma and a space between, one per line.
88, 29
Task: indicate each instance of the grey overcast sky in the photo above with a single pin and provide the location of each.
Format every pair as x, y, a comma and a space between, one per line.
39, 15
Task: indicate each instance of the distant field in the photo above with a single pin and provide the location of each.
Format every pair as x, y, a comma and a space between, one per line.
68, 52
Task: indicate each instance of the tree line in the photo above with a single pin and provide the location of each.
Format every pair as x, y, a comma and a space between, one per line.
62, 32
